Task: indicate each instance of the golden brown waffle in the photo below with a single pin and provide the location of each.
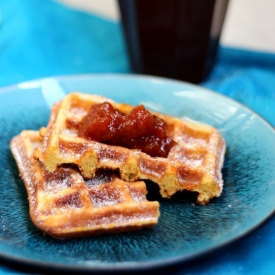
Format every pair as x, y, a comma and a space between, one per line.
194, 163
63, 205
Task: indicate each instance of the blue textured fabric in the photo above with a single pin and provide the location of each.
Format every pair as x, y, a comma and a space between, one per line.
248, 77
40, 38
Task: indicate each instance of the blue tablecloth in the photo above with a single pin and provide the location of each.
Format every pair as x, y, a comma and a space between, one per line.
40, 38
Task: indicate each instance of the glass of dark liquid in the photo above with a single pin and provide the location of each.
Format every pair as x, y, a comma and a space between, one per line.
173, 38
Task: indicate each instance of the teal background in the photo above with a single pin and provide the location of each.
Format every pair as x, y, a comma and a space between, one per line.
39, 38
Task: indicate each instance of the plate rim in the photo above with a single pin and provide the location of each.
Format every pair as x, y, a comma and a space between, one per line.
64, 77
38, 266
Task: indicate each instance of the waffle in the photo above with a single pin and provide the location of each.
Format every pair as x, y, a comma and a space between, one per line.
194, 163
62, 204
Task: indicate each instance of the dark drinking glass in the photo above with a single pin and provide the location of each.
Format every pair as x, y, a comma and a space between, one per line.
173, 38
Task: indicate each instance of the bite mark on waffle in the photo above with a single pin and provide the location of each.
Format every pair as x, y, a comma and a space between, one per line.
63, 204
194, 163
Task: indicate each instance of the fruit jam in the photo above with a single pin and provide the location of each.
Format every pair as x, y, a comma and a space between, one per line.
137, 130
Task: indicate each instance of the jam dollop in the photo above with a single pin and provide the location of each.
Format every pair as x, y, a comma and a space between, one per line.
137, 130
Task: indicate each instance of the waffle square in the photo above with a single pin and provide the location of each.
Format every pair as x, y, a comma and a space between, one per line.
194, 163
63, 204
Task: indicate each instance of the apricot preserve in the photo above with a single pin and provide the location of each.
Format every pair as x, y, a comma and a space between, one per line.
137, 130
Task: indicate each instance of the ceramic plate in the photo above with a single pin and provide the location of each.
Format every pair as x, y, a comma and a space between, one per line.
185, 229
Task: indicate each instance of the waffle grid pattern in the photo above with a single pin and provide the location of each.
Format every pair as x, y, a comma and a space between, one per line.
63, 204
193, 164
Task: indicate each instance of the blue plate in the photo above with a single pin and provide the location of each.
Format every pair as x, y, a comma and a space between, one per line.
185, 229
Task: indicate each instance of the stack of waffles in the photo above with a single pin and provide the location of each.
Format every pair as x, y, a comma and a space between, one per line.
80, 187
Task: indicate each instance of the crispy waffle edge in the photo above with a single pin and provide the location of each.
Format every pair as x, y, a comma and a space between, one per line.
170, 175
77, 222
